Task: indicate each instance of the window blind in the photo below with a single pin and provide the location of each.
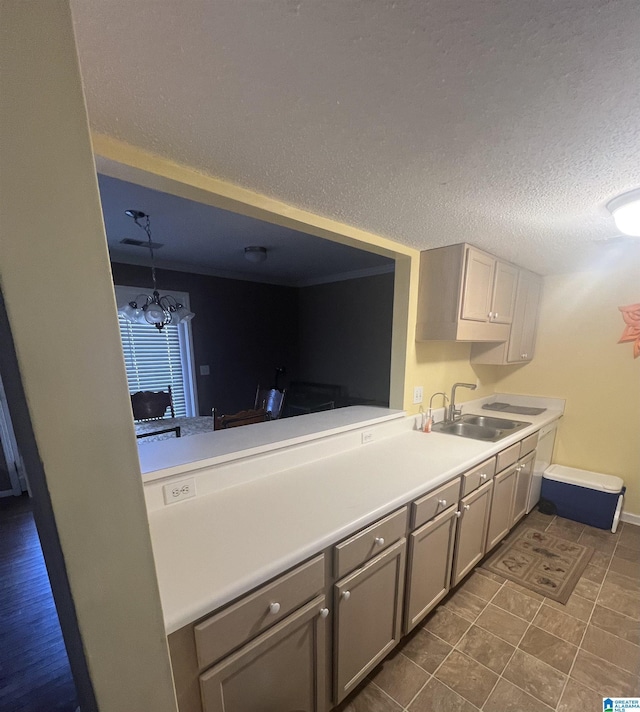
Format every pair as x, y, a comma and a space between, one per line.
154, 360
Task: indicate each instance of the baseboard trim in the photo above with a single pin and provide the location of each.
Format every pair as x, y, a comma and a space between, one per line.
630, 518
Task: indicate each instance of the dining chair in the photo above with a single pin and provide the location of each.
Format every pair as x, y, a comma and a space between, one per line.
152, 405
243, 417
271, 399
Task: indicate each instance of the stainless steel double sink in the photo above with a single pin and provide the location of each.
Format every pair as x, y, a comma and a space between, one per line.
480, 427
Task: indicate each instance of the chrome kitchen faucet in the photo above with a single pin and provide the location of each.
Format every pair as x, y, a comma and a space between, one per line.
453, 411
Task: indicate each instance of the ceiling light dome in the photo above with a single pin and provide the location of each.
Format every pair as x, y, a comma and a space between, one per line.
255, 253
626, 212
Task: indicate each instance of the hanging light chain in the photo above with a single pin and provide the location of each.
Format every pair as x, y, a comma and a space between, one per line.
147, 228
157, 311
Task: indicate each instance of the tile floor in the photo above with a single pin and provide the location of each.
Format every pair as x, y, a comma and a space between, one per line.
493, 645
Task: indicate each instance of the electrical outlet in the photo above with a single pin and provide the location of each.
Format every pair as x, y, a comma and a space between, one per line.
417, 395
178, 491
204, 370
367, 437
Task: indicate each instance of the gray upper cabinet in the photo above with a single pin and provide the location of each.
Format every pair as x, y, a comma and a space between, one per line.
465, 294
522, 340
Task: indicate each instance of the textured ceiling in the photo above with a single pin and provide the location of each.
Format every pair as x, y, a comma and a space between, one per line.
505, 123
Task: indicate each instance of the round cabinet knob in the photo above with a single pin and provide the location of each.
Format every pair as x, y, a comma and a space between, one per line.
379, 541
458, 514
523, 356
483, 476
346, 595
274, 608
324, 612
495, 316
467, 507
490, 316
442, 502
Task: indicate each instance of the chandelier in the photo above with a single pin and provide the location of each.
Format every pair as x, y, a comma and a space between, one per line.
152, 308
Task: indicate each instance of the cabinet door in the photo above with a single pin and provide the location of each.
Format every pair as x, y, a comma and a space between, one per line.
477, 287
504, 293
283, 669
472, 531
501, 516
530, 325
525, 319
525, 471
429, 566
367, 617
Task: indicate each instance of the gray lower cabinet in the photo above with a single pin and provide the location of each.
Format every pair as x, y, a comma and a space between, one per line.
367, 617
270, 651
280, 671
472, 531
429, 566
500, 521
525, 472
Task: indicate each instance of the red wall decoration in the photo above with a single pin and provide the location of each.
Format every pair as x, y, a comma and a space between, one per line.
631, 316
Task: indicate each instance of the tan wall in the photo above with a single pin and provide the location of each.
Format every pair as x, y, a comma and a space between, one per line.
440, 364
55, 277
578, 358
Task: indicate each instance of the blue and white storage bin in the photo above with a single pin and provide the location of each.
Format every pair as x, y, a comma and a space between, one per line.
588, 497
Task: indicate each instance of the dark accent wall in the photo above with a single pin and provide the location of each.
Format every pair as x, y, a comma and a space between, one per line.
241, 330
345, 335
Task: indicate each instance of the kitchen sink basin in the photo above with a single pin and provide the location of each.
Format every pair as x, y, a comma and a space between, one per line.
480, 427
489, 422
466, 430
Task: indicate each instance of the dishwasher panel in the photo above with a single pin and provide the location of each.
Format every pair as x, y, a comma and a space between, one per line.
544, 453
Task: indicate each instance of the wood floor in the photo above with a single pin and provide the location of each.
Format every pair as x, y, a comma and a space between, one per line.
34, 669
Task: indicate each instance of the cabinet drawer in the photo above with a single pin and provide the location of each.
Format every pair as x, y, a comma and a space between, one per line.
227, 630
508, 456
282, 669
425, 508
370, 541
478, 475
528, 444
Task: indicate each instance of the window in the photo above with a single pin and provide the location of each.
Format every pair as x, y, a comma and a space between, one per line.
155, 359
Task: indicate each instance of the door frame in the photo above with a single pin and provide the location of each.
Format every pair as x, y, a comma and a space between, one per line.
20, 419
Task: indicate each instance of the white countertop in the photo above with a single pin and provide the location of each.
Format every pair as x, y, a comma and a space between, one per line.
215, 547
179, 455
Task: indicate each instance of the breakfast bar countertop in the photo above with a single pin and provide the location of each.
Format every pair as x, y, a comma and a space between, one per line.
287, 505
